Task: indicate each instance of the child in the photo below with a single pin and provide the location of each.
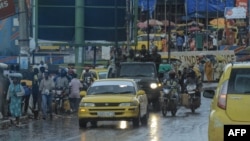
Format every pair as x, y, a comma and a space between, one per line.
26, 97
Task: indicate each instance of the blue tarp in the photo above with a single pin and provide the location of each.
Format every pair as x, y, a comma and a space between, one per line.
144, 5
208, 5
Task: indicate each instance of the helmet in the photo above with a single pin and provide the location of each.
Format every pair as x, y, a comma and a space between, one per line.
171, 74
63, 72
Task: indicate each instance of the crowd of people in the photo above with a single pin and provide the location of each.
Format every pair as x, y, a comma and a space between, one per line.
36, 100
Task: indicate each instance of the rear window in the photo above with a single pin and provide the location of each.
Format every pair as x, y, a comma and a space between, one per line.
239, 81
137, 70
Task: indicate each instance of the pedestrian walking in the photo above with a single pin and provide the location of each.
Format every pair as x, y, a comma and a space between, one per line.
179, 42
45, 88
26, 97
74, 96
14, 97
36, 96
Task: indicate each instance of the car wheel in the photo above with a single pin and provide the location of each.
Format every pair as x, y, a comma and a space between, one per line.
82, 123
136, 121
192, 109
164, 109
144, 119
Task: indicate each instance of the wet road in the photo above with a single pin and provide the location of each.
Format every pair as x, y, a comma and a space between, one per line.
185, 126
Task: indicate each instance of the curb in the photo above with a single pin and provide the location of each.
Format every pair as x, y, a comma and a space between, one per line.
4, 124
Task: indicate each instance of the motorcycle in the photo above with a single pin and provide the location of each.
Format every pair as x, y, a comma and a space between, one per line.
169, 100
193, 99
59, 99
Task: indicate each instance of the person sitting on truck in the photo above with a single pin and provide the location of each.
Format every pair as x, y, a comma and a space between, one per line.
144, 53
156, 57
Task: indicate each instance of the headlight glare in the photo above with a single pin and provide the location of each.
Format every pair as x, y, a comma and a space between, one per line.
153, 85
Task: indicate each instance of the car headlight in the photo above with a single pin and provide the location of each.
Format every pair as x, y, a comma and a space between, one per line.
87, 104
153, 85
126, 104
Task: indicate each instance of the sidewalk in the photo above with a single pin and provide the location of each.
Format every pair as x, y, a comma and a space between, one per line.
5, 123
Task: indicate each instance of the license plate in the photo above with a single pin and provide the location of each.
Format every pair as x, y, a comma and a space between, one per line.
105, 114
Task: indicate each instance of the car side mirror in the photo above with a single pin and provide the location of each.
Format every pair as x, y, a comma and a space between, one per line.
83, 93
208, 93
141, 92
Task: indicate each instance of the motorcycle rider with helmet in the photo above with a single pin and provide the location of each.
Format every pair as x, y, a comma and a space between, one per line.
172, 81
62, 82
193, 78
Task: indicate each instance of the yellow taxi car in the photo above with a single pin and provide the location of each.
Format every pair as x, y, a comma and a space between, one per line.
230, 101
98, 73
143, 40
113, 99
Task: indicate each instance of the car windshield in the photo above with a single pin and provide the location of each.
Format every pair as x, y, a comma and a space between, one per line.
239, 81
111, 88
137, 70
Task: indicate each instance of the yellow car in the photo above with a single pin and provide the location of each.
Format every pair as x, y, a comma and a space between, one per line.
230, 101
113, 99
98, 73
143, 40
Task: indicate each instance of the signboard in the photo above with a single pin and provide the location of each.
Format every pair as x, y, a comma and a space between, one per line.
235, 13
241, 3
7, 8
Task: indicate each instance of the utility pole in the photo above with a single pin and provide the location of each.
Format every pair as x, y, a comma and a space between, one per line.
23, 34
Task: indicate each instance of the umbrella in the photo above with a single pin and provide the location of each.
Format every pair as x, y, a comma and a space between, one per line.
220, 22
142, 25
153, 22
195, 28
194, 23
166, 23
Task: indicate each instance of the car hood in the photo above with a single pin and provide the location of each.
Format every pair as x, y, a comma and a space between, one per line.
109, 98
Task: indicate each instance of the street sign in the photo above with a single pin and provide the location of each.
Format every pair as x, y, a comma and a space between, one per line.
7, 8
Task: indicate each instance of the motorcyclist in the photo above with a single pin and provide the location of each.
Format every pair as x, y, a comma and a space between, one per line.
192, 77
172, 82
62, 82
